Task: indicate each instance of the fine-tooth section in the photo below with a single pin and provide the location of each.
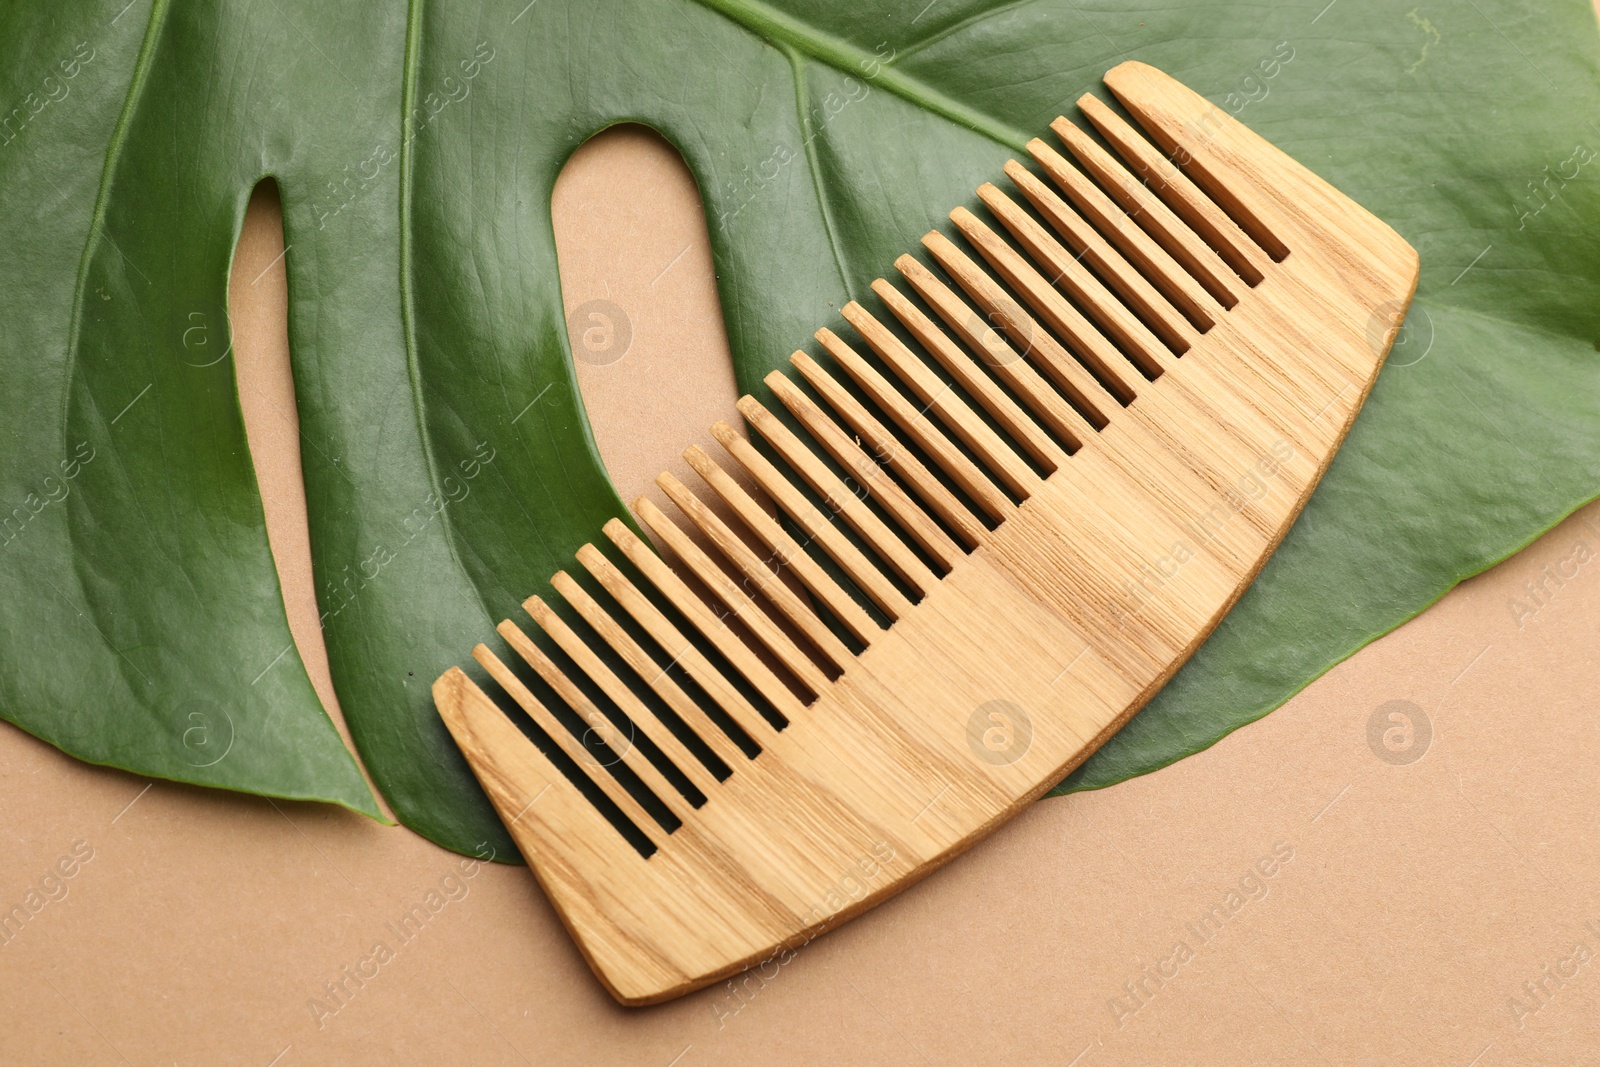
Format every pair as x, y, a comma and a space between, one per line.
1066, 322
1180, 194
818, 527
913, 423
1199, 306
1087, 245
1187, 144
618, 692
1067, 427
786, 551
757, 572
737, 601
1148, 210
1069, 375
615, 735
677, 646
884, 541
726, 642
936, 396
606, 782
652, 673
1110, 314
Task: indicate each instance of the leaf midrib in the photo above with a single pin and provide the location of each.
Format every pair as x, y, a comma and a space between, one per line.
834, 51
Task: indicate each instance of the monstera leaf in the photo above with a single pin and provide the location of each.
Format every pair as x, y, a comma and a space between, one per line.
449, 470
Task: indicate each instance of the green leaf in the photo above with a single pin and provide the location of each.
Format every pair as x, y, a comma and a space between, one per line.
449, 470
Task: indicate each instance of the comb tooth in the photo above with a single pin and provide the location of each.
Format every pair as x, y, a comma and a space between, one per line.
1199, 306
865, 522
1063, 420
517, 774
1150, 212
1072, 377
1066, 321
578, 650
888, 450
652, 673
862, 571
1180, 194
1110, 314
672, 641
868, 471
607, 783
951, 409
602, 725
756, 571
1138, 87
996, 401
737, 601
785, 548
1086, 243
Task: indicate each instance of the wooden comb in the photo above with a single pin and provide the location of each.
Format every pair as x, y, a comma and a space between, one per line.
992, 561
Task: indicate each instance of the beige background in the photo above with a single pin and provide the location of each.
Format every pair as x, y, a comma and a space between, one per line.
1419, 900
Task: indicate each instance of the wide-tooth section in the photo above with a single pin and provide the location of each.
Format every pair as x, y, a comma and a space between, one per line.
1012, 419
1171, 232
616, 690
1065, 321
913, 423
1156, 262
1068, 427
886, 449
1085, 288
951, 409
608, 784
703, 619
739, 604
1091, 248
786, 551
895, 552
654, 674
617, 736
676, 645
1205, 218
1122, 326
868, 471
818, 527
1036, 343
757, 572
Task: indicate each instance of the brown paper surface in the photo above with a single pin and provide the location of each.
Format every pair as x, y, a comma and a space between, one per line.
1441, 911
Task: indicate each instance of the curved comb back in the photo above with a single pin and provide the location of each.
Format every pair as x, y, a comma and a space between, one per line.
1130, 381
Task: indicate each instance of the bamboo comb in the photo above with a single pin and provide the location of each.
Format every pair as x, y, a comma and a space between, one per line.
1103, 424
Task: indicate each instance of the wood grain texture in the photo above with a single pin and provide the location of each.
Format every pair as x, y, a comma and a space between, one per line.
1178, 431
